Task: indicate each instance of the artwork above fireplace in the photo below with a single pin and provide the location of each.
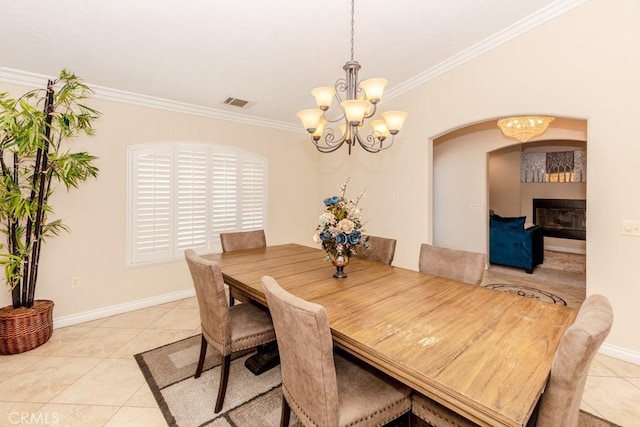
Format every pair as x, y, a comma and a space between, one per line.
561, 218
558, 167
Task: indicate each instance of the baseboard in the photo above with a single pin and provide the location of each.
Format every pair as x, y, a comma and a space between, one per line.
100, 313
620, 353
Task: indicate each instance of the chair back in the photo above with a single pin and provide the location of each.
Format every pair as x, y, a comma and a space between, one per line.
243, 240
212, 301
381, 249
560, 403
452, 264
306, 355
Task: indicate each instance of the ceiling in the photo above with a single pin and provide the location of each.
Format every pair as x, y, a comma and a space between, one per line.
271, 53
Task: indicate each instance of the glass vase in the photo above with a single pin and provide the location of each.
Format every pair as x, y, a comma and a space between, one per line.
340, 261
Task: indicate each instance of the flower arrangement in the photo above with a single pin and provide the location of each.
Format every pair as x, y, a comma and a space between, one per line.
340, 227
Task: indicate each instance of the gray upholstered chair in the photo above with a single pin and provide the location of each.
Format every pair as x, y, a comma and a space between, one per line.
559, 405
381, 249
323, 388
227, 329
242, 240
560, 402
452, 264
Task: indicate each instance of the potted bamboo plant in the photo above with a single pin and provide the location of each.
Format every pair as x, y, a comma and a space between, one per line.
34, 159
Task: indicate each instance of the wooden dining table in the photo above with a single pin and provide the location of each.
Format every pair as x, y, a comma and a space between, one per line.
482, 353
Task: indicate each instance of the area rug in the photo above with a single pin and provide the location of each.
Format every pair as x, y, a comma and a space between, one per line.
251, 401
564, 261
527, 292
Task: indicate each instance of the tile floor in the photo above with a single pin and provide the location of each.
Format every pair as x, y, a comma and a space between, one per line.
86, 374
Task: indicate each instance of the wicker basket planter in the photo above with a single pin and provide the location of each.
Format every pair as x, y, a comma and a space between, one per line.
24, 329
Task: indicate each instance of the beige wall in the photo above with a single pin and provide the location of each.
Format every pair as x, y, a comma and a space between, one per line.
94, 250
504, 181
579, 65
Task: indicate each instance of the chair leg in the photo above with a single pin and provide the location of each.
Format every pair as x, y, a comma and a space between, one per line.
286, 413
224, 379
232, 300
203, 353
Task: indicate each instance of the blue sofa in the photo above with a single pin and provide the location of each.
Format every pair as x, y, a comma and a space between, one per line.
512, 245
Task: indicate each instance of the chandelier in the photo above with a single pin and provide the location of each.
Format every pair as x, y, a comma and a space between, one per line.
525, 127
358, 102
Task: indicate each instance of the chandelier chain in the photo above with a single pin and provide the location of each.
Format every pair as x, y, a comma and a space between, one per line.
352, 25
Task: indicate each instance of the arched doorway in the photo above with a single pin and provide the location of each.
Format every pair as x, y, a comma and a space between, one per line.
464, 190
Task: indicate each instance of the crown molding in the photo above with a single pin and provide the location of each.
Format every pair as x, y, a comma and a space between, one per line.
24, 78
509, 33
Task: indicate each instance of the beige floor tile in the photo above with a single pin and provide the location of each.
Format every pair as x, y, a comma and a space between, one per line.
45, 379
139, 319
635, 382
142, 398
100, 342
147, 417
620, 367
96, 323
60, 338
149, 339
16, 363
188, 303
178, 318
111, 382
79, 415
600, 368
13, 414
171, 304
615, 399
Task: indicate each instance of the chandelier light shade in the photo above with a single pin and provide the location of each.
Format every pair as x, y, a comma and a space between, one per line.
523, 128
357, 101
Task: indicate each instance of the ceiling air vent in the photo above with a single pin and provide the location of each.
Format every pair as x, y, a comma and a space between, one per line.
236, 102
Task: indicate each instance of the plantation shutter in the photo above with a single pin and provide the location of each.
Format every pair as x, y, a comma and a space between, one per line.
183, 195
252, 193
191, 198
224, 176
151, 213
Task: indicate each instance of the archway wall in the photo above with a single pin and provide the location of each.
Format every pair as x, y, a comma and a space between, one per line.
579, 65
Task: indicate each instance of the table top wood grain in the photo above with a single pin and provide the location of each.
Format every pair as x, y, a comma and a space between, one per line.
483, 353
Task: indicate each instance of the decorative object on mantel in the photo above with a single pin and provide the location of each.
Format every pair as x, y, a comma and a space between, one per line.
360, 103
524, 128
340, 229
558, 166
33, 160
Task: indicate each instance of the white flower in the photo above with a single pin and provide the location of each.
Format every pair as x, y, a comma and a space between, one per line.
316, 237
326, 218
346, 226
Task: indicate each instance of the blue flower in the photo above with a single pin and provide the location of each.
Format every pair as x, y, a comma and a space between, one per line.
354, 237
327, 201
335, 200
341, 239
325, 235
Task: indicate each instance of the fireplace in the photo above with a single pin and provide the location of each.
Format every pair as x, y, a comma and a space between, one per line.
563, 218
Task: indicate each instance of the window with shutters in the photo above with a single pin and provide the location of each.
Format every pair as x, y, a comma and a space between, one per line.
183, 195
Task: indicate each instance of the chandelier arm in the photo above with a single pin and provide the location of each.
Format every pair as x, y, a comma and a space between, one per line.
372, 140
337, 119
373, 111
329, 144
367, 146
